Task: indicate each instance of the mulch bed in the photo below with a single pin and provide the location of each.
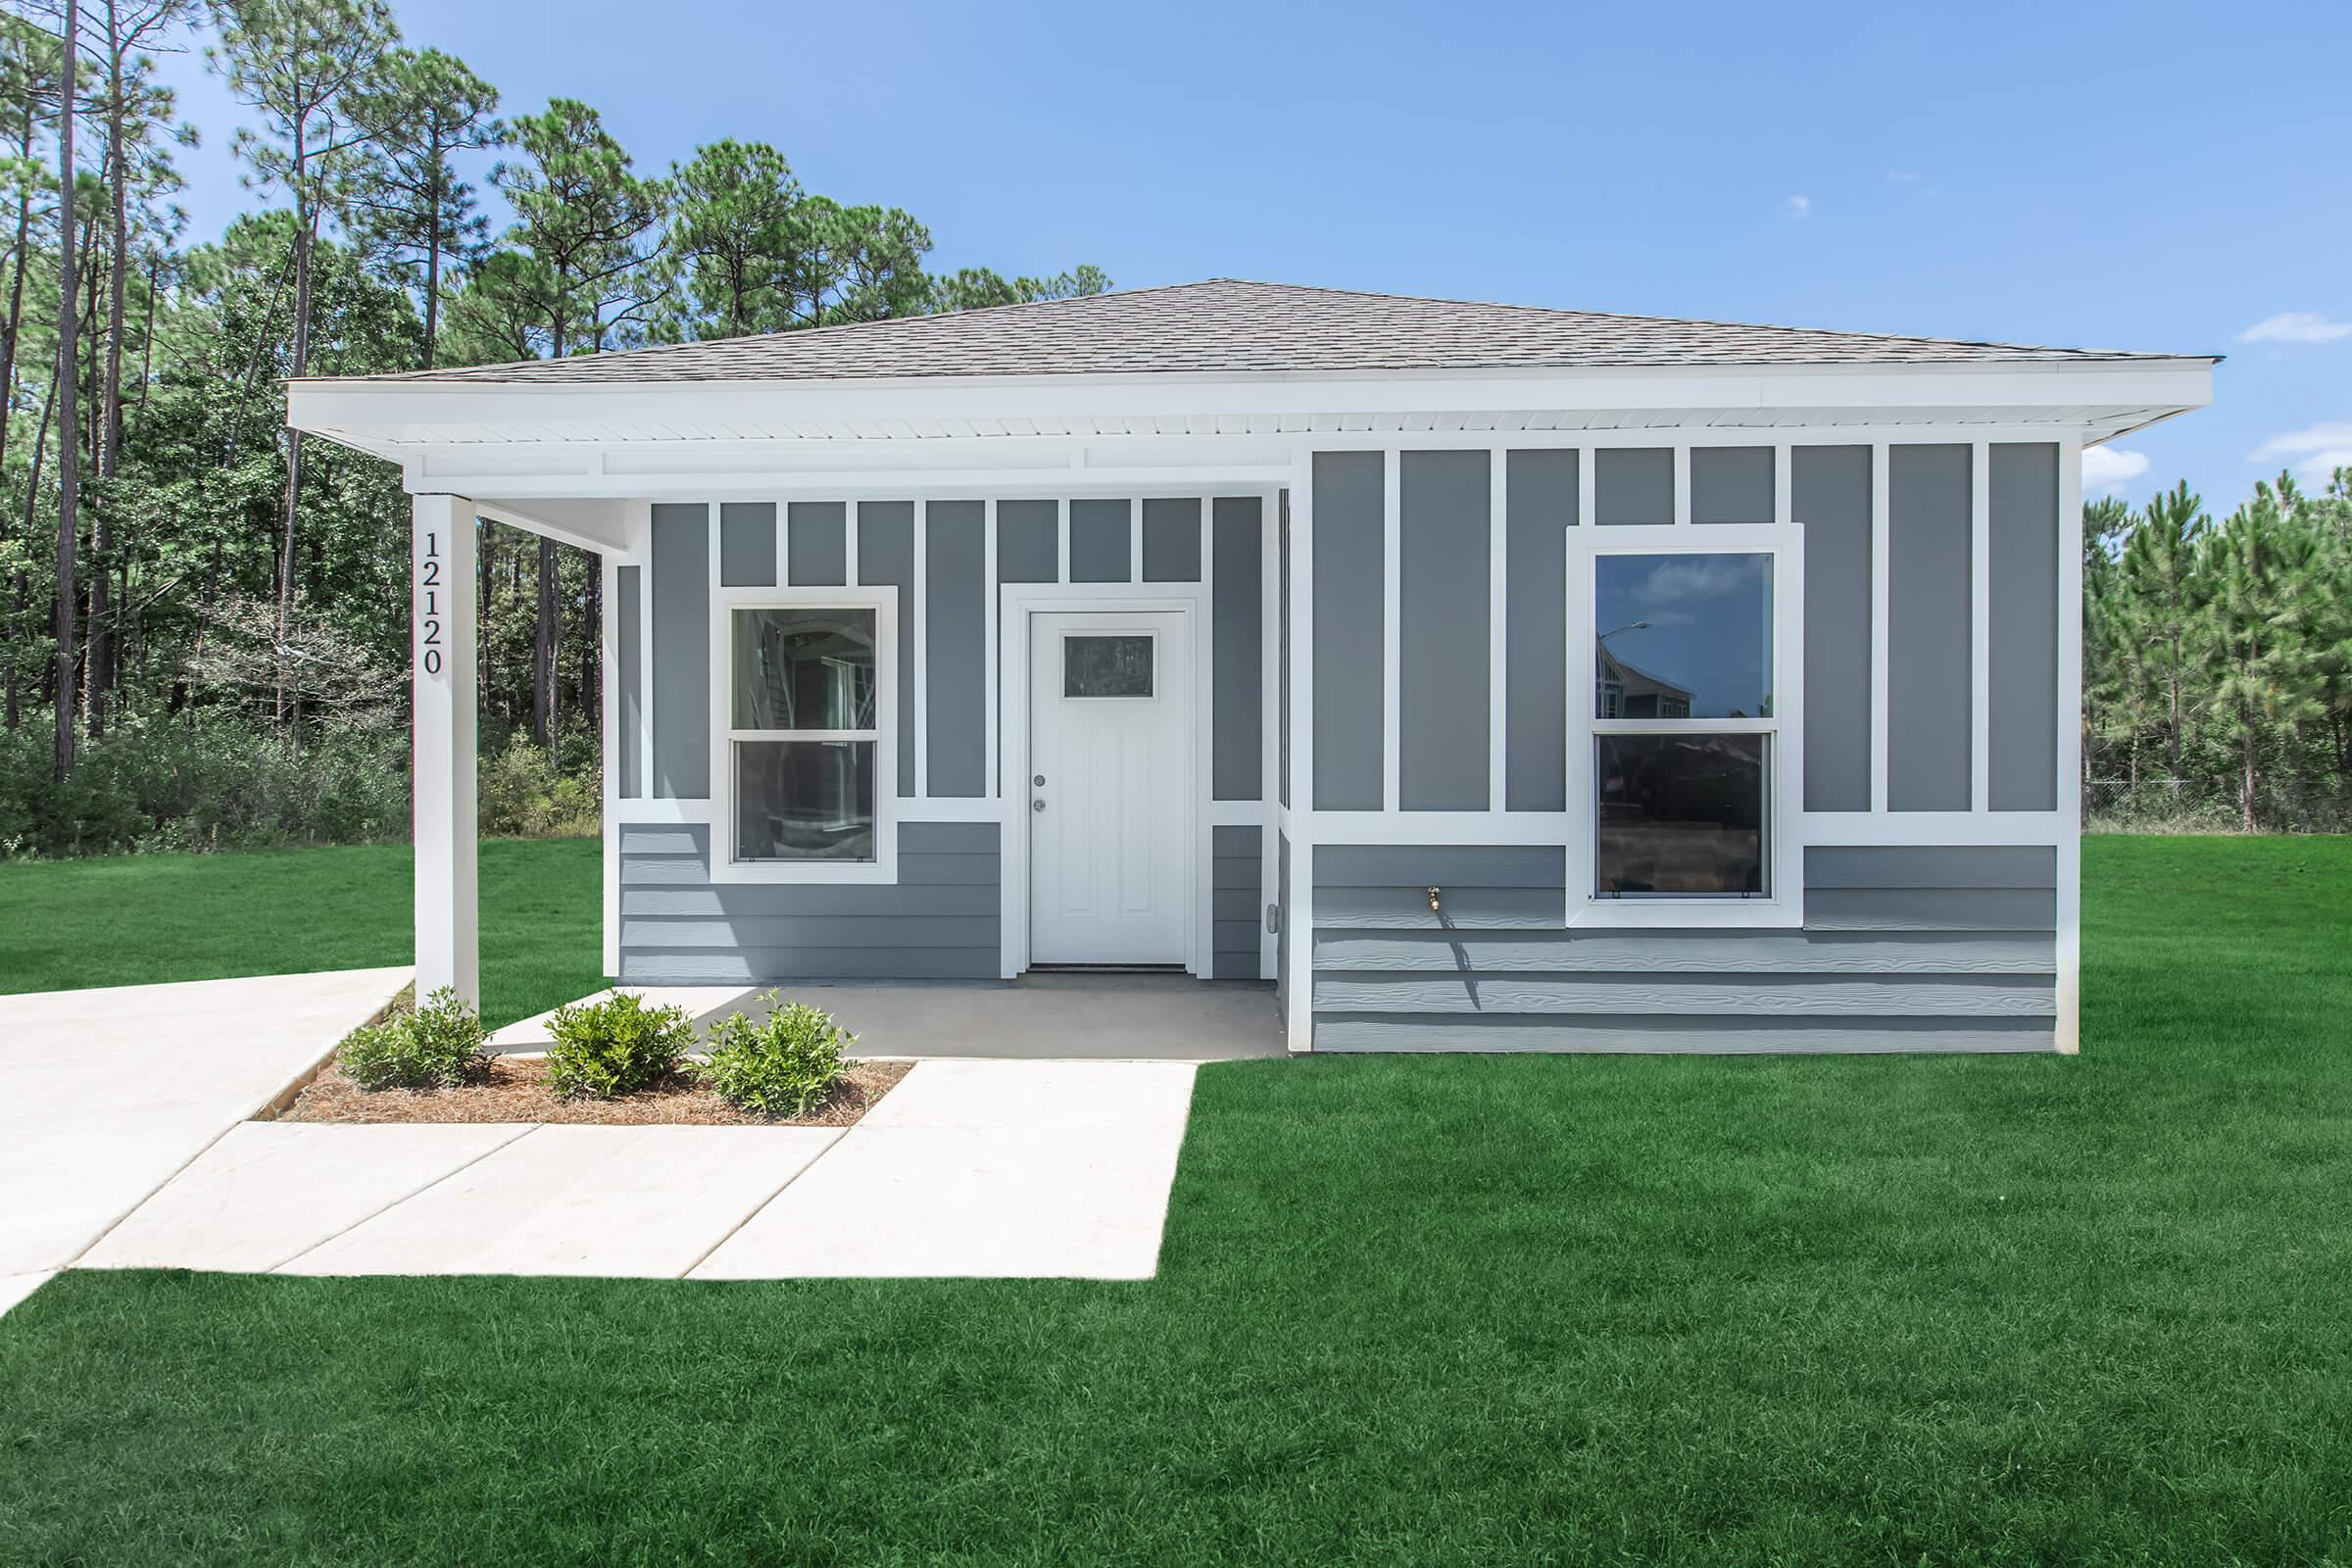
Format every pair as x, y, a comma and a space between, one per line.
515, 1090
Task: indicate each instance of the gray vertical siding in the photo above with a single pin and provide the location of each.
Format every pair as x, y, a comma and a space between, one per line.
1633, 485
955, 634
1828, 495
1444, 544
681, 692
1237, 606
1237, 880
886, 559
747, 544
1282, 638
1171, 540
2021, 680
1928, 641
1732, 484
1915, 949
816, 544
1102, 539
939, 921
629, 679
1540, 501
1349, 659
1028, 540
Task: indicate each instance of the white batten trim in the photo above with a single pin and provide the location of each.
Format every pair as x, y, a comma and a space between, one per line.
1682, 484
783, 543
2069, 746
1979, 626
606, 728
641, 530
849, 543
442, 619
993, 689
1062, 539
662, 811
1392, 634
1269, 716
1907, 829
950, 808
1299, 909
1498, 625
918, 603
1135, 539
1236, 814
1881, 574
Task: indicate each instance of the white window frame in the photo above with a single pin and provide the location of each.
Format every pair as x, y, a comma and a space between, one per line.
1784, 773
883, 602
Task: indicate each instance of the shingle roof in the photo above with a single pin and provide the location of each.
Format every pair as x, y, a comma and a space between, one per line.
1231, 326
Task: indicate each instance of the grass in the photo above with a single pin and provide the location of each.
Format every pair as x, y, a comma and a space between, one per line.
1565, 1311
134, 919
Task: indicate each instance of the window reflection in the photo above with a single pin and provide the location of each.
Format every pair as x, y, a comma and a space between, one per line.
805, 799
804, 669
1686, 635
1680, 814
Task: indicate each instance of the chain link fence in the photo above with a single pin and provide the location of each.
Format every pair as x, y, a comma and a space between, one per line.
2284, 805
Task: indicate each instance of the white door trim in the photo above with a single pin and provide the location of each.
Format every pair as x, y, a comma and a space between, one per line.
1017, 603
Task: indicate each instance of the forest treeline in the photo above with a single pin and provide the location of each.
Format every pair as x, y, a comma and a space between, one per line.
2217, 659
203, 617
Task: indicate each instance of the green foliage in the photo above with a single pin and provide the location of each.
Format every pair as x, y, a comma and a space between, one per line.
616, 1047
524, 794
784, 1063
438, 1045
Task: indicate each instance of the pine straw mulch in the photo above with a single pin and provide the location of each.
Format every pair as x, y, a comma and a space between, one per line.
515, 1091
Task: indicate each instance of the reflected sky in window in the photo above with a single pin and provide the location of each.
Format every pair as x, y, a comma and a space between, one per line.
1682, 636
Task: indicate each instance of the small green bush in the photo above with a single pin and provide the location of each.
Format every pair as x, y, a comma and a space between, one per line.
616, 1047
438, 1045
784, 1064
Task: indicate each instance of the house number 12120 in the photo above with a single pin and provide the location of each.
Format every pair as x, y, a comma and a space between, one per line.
429, 583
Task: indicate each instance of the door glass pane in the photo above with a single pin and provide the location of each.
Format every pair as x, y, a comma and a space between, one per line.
804, 669
805, 799
1107, 666
1680, 814
1682, 636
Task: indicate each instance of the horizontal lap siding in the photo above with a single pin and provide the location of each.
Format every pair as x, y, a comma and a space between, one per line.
939, 921
1904, 948
1236, 887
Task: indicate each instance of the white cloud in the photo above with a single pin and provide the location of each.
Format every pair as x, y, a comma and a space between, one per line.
2106, 471
1690, 577
2296, 326
1903, 177
1797, 207
2313, 452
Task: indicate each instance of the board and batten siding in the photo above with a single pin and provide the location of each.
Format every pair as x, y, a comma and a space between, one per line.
1444, 700
1944, 947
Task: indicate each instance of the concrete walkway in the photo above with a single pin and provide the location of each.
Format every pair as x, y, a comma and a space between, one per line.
106, 1093
967, 1168
1039, 1017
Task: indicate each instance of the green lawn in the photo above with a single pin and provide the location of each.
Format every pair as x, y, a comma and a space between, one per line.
136, 918
1593, 1310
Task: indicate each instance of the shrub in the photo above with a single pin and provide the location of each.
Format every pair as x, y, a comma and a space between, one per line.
525, 793
784, 1064
616, 1047
438, 1045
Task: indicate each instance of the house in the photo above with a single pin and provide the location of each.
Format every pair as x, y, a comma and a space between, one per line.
1270, 633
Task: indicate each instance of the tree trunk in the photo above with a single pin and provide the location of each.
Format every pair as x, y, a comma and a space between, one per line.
305, 220
68, 466
13, 330
104, 635
543, 648
592, 643
2245, 792
432, 263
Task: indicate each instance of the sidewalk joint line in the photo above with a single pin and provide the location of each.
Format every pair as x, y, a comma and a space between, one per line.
378, 1213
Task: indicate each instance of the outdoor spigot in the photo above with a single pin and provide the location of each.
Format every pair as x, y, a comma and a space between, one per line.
1433, 900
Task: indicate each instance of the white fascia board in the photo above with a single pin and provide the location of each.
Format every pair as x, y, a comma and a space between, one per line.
371, 415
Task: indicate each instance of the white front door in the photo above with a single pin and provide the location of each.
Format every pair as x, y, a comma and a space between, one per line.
1110, 775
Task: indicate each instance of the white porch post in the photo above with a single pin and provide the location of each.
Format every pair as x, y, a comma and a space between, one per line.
441, 579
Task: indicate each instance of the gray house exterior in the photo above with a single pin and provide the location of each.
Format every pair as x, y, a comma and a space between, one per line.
1484, 677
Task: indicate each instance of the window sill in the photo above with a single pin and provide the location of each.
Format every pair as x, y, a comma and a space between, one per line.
1696, 913
805, 873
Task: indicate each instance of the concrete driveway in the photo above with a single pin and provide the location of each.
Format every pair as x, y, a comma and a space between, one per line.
106, 1093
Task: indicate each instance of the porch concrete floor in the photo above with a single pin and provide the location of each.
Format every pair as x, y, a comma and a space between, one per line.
1003, 1169
1058, 1016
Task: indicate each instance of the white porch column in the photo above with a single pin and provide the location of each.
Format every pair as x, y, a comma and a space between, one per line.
441, 580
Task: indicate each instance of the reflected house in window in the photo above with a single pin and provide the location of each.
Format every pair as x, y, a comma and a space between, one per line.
1626, 692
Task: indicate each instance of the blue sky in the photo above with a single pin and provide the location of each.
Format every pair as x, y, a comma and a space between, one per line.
2152, 177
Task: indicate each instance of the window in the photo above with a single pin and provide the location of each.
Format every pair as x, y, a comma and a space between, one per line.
804, 733
1107, 666
1684, 726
